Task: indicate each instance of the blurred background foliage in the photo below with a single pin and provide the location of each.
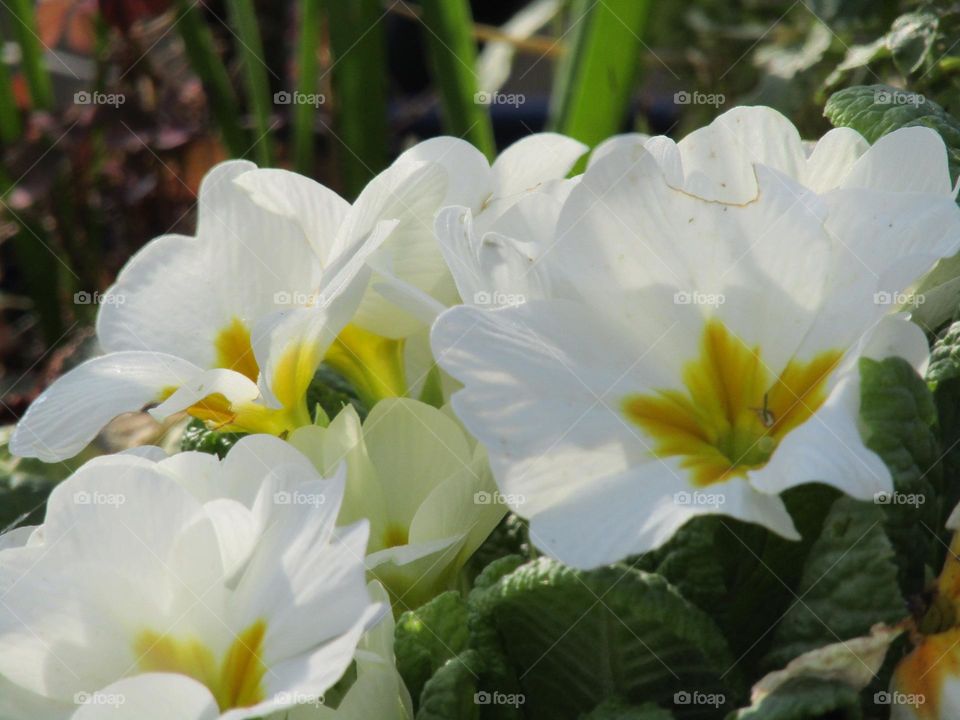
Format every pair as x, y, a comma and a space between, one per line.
112, 111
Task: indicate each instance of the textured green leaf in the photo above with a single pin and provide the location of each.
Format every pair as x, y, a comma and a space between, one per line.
875, 110
849, 583
199, 438
805, 699
574, 639
616, 709
945, 355
911, 38
428, 637
899, 421
452, 692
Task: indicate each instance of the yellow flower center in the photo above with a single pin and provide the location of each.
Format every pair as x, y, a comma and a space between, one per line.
373, 364
733, 412
237, 682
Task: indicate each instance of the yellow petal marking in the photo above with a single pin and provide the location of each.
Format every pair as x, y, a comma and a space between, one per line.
236, 683
235, 351
733, 413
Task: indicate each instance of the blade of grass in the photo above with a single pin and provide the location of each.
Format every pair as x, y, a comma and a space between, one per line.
595, 80
31, 49
243, 17
303, 113
453, 58
208, 66
42, 274
10, 125
358, 46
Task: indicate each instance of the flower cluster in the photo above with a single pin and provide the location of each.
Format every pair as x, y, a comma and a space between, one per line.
678, 331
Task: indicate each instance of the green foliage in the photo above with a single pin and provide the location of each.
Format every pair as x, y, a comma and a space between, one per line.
199, 438
617, 710
453, 57
357, 43
595, 82
574, 638
426, 638
900, 425
875, 110
331, 393
849, 583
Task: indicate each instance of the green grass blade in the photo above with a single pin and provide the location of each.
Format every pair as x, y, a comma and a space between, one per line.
304, 113
358, 46
208, 66
243, 17
453, 56
31, 49
595, 80
10, 125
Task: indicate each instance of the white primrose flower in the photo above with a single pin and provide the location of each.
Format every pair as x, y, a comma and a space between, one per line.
710, 302
184, 587
412, 282
422, 482
231, 325
377, 691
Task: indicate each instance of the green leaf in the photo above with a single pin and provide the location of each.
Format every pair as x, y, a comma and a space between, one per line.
198, 437
689, 562
250, 47
875, 110
805, 699
448, 30
945, 355
899, 419
304, 114
911, 38
206, 63
452, 691
24, 25
358, 47
849, 583
428, 637
595, 81
940, 290
332, 393
572, 639
616, 709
